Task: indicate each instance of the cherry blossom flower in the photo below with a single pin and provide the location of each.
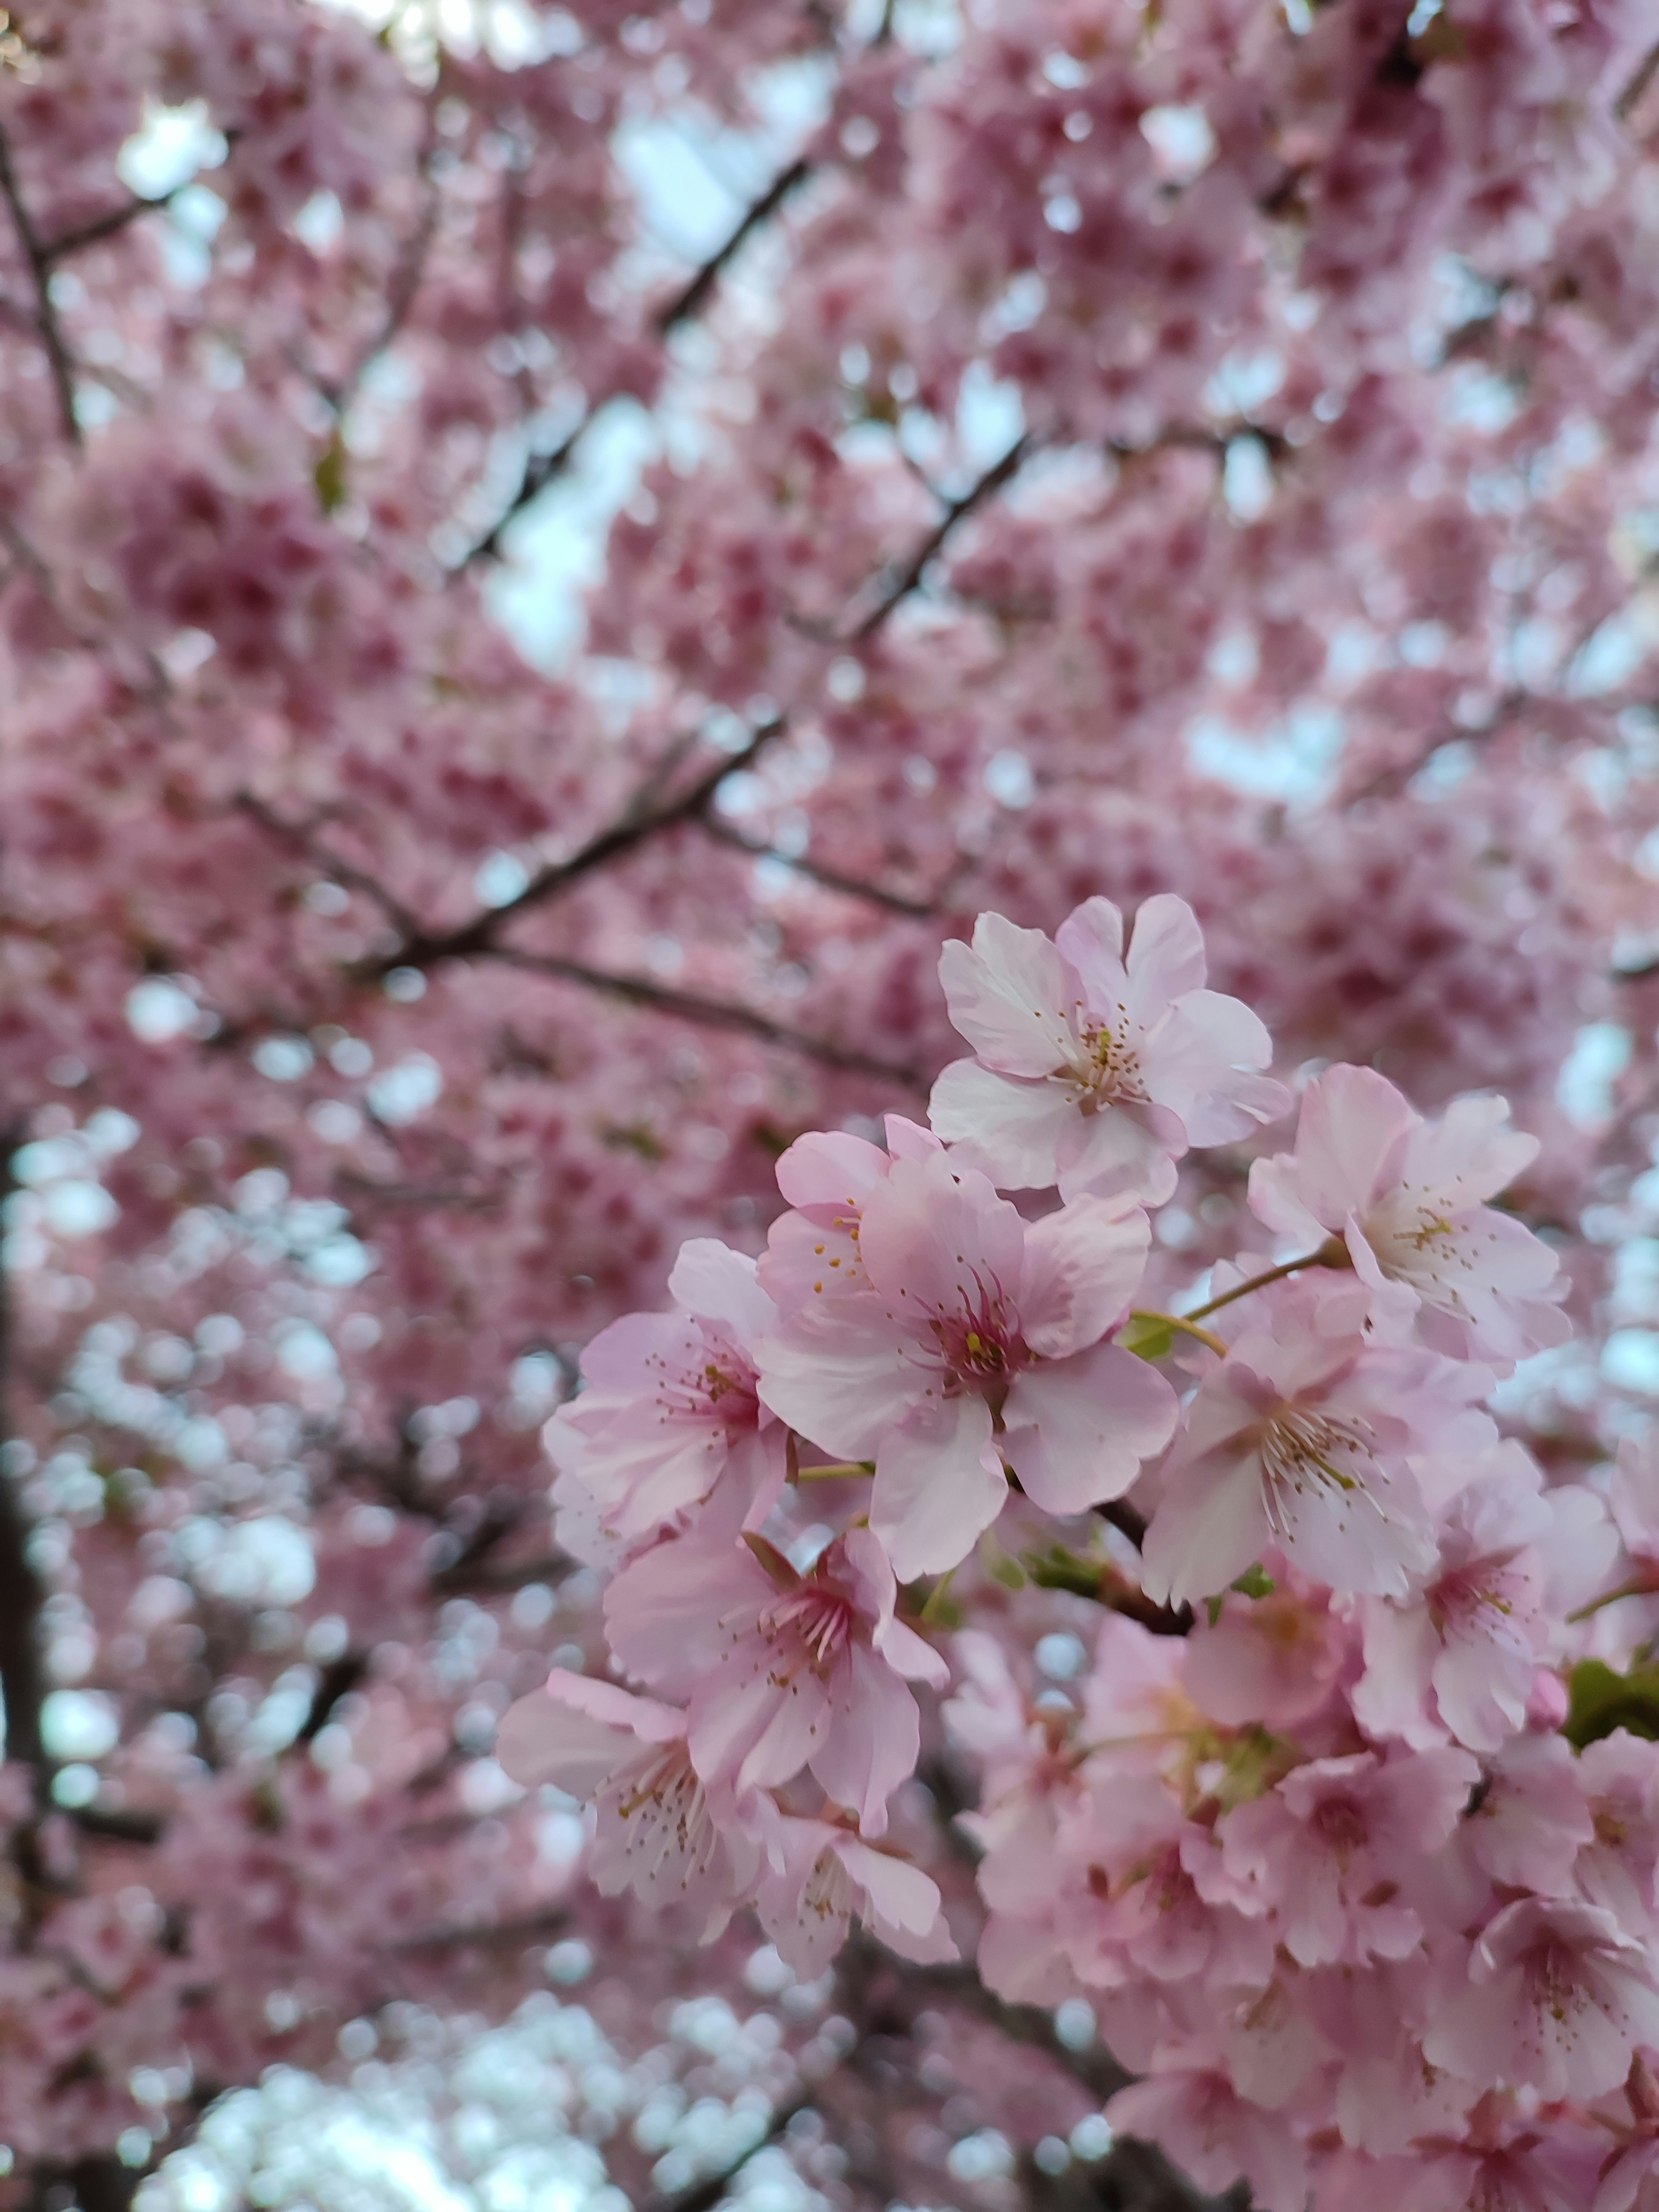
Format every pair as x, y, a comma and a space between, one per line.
655, 1833
1461, 1655
1405, 1196
978, 1343
826, 1175
781, 1670
1216, 2134
1300, 1441
1330, 1852
1094, 1069
1558, 1997
822, 1878
670, 1406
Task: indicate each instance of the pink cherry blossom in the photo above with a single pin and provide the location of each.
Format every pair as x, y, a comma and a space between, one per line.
822, 1877
826, 1176
781, 1670
655, 1833
1460, 1656
1557, 1998
977, 1346
1405, 1196
1095, 1069
1331, 1850
670, 1406
1217, 2135
1301, 1441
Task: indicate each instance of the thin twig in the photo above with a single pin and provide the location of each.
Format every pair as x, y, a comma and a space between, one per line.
711, 1013
900, 584
49, 329
831, 879
540, 469
634, 826
690, 303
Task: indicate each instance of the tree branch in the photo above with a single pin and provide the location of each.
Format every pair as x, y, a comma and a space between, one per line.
634, 826
703, 2196
831, 879
689, 303
540, 469
22, 1677
59, 360
900, 584
713, 1013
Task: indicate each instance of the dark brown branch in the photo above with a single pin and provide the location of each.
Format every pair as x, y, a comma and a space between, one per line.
714, 1014
116, 219
541, 469
337, 1680
900, 584
689, 303
634, 826
47, 327
493, 1935
22, 1677
831, 879
703, 2196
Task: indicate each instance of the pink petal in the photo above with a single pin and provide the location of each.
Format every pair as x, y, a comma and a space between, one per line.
1008, 997
938, 1486
1082, 1267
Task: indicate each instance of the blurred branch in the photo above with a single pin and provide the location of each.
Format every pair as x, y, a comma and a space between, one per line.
831, 879
541, 469
22, 1677
689, 303
899, 583
714, 1014
642, 819
49, 330
116, 219
703, 2196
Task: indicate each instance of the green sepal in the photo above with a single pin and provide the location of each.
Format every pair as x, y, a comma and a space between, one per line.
1149, 1336
1600, 1701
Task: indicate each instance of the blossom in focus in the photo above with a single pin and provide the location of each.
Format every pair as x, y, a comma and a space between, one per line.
783, 1670
826, 1175
1558, 1998
671, 1408
654, 1832
1408, 1198
1460, 1656
822, 1877
977, 1343
1092, 1069
1300, 1442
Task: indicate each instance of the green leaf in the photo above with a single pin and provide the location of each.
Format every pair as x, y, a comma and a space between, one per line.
1253, 1584
1600, 1701
329, 474
998, 1565
941, 1610
1149, 1336
1059, 1569
1212, 1607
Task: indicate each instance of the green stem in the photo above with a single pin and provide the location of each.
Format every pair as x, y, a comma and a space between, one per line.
836, 1470
1187, 1328
1326, 1256
1640, 1588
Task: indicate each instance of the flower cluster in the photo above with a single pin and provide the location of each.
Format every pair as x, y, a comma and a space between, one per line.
1309, 1836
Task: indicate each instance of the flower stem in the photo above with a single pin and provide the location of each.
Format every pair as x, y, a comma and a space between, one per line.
1642, 1587
1187, 1328
1326, 1256
835, 1470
